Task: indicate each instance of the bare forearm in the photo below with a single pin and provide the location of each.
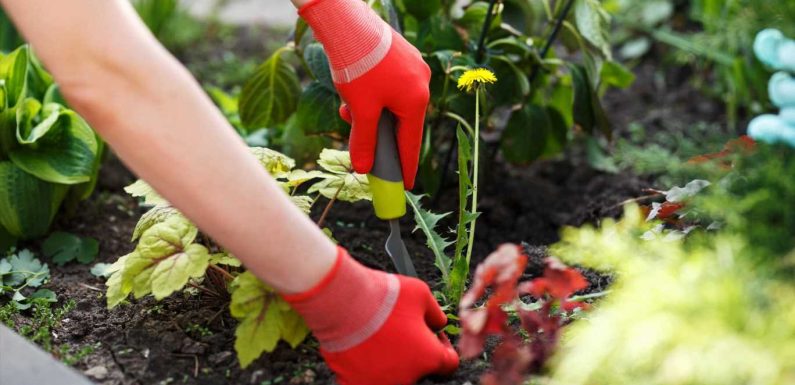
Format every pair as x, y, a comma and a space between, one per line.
155, 116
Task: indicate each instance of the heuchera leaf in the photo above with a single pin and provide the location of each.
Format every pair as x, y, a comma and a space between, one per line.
141, 189
155, 215
265, 318
341, 181
276, 163
163, 262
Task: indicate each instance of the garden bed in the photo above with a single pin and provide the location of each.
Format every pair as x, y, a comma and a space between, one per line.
188, 338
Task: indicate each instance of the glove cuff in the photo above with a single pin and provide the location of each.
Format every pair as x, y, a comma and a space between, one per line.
354, 37
349, 305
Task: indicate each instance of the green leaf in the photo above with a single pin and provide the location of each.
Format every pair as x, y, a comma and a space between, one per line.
65, 247
13, 70
475, 15
318, 112
163, 262
341, 181
422, 9
101, 270
276, 163
593, 24
27, 204
427, 221
616, 75
141, 189
26, 270
317, 60
588, 112
271, 95
264, 317
225, 259
303, 202
525, 136
155, 215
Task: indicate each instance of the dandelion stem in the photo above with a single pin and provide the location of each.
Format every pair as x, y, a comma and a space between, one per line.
475, 154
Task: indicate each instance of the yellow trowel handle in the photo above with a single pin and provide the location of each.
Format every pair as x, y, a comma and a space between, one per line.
386, 177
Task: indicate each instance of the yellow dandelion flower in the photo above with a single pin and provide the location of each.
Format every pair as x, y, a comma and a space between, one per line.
471, 79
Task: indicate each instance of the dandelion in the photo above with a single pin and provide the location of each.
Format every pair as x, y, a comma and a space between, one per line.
475, 78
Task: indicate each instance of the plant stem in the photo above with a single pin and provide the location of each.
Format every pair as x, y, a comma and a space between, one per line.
552, 36
484, 32
328, 206
204, 289
475, 159
223, 272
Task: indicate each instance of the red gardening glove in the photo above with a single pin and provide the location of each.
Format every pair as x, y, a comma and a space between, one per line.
376, 328
373, 68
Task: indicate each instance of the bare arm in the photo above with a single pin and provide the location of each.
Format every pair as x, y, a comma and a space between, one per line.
163, 126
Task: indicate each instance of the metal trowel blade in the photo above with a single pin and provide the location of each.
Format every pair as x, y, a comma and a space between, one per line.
397, 250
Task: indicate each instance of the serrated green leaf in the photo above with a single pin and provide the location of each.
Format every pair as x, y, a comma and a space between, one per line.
26, 270
64, 247
298, 177
225, 259
303, 202
427, 221
276, 163
155, 215
271, 95
163, 262
342, 181
141, 189
264, 317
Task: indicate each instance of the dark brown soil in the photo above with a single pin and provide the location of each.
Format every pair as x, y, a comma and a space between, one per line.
145, 342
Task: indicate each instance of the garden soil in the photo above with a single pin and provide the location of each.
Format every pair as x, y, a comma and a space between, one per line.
189, 339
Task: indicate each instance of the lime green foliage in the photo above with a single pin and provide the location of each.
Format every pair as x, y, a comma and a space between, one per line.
265, 318
65, 247
754, 200
47, 151
678, 313
171, 254
19, 273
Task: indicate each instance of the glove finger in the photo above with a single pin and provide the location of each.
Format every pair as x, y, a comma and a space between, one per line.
409, 135
434, 316
345, 113
448, 357
364, 133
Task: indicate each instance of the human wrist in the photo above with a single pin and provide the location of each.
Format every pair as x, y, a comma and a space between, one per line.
354, 37
348, 305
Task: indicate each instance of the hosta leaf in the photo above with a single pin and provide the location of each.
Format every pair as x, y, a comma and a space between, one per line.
141, 189
271, 95
163, 262
27, 204
276, 163
427, 221
155, 215
593, 23
13, 70
62, 148
264, 317
65, 247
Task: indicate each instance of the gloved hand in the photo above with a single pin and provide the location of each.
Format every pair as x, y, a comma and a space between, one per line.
373, 68
375, 328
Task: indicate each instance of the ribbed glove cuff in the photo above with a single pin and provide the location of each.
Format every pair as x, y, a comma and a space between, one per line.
355, 38
349, 305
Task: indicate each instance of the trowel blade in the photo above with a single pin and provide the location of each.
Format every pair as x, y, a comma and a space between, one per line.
397, 250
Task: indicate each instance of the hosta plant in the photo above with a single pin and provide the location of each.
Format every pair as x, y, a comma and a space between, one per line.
172, 255
48, 153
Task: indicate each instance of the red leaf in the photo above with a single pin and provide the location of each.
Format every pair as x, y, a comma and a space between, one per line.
744, 144
559, 281
668, 209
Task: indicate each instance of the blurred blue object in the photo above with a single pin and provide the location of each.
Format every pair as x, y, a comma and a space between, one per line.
778, 52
